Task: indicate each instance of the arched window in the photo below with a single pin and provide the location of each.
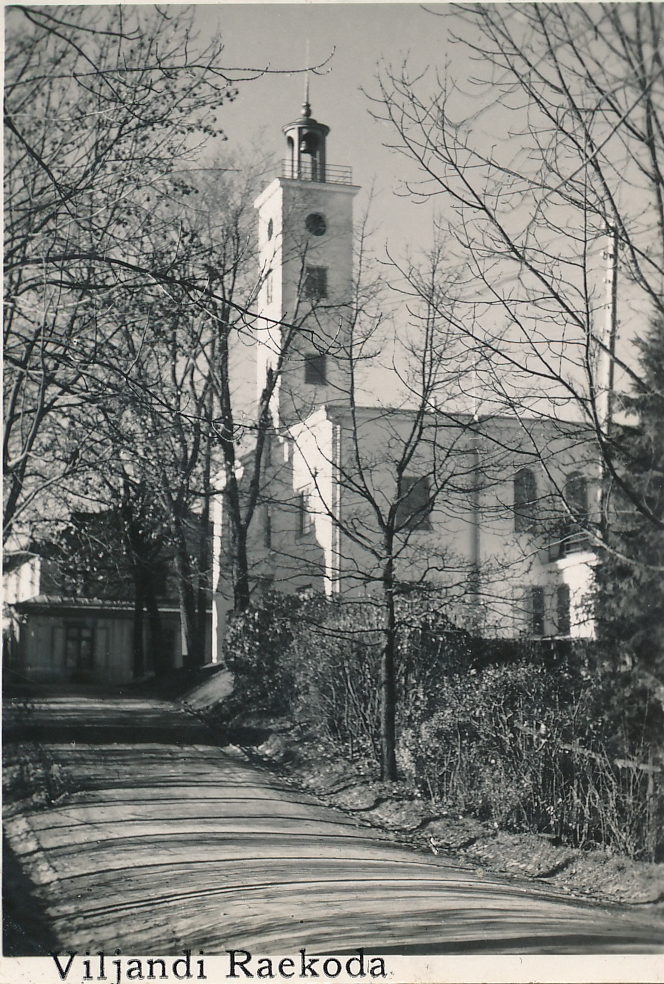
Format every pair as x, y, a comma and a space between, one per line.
576, 496
291, 158
525, 500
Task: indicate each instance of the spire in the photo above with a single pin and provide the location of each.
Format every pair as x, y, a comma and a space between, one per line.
306, 106
305, 141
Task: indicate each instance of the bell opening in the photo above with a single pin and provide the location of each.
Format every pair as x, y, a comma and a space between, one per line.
309, 144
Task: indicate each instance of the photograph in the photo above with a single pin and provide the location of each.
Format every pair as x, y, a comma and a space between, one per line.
333, 471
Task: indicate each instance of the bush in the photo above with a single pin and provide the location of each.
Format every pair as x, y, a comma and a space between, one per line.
525, 745
530, 735
336, 692
256, 646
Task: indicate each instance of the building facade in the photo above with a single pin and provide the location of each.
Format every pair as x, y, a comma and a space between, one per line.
49, 637
494, 511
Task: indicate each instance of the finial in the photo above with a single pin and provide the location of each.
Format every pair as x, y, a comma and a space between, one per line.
306, 108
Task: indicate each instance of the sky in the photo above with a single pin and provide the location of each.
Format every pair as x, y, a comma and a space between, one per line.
356, 42
356, 38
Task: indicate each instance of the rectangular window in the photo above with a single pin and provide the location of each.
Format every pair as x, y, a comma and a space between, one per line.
304, 515
267, 528
537, 611
315, 283
268, 287
563, 610
315, 369
525, 501
414, 509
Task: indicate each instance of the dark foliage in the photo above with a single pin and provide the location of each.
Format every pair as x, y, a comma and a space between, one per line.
531, 735
630, 581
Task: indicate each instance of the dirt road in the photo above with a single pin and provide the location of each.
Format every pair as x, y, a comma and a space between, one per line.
151, 838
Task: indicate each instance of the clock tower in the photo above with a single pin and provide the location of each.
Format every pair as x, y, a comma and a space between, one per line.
305, 239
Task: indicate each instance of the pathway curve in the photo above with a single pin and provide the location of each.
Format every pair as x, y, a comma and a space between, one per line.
161, 841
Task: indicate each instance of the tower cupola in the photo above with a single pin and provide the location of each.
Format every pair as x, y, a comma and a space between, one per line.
305, 242
305, 140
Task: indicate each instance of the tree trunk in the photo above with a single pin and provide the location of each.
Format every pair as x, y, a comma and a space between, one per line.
202, 587
204, 572
191, 650
388, 690
138, 648
160, 663
241, 587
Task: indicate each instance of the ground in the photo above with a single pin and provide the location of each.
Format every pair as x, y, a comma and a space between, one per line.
402, 813
131, 824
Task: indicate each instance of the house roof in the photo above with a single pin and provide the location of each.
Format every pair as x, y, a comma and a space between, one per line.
60, 603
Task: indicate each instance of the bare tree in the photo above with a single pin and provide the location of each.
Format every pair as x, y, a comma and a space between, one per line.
101, 106
104, 108
375, 492
168, 393
551, 188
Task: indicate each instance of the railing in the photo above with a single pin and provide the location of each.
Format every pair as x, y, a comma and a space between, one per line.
309, 170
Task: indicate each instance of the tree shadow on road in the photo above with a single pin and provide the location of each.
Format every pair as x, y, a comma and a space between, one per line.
26, 931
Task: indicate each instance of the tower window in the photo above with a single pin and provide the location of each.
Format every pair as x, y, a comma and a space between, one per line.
525, 500
537, 611
576, 495
269, 293
414, 509
315, 223
315, 369
315, 283
270, 229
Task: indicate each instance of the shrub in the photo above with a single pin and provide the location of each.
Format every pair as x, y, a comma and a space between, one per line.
531, 735
256, 645
336, 692
528, 746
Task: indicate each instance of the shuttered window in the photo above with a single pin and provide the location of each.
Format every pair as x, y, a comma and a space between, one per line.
563, 610
537, 611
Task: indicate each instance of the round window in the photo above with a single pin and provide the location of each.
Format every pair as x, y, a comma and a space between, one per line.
316, 224
270, 229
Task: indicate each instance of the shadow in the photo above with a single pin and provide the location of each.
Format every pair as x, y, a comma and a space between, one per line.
562, 943
73, 715
103, 734
246, 736
168, 686
26, 931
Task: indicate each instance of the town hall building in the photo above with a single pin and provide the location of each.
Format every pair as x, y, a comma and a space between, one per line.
491, 510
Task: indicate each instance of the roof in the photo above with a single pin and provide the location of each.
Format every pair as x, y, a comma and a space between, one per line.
61, 603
